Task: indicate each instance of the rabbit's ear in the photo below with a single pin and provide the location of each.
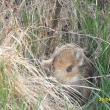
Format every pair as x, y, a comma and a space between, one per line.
47, 62
80, 57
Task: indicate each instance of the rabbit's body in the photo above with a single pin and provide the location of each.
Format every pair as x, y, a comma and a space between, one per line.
71, 67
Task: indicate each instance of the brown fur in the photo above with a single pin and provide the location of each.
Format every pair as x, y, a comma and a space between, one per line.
71, 67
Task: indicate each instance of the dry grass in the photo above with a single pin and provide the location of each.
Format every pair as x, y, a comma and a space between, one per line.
26, 81
29, 33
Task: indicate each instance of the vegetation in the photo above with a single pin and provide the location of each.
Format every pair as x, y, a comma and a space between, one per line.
30, 31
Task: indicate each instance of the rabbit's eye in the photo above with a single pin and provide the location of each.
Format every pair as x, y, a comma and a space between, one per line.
69, 69
53, 68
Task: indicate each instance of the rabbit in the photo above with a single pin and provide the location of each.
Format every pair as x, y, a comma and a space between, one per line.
71, 67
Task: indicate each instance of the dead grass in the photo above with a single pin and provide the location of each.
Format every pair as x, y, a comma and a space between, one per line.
27, 81
29, 33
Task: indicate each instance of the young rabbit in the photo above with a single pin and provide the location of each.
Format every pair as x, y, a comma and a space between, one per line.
71, 67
